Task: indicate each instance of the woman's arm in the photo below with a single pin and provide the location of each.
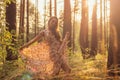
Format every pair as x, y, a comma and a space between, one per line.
64, 43
33, 40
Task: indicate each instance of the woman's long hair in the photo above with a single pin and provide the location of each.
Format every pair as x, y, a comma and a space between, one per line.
53, 27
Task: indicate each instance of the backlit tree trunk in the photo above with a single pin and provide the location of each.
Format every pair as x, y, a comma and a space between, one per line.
22, 16
36, 17
102, 30
114, 41
50, 8
84, 30
67, 20
44, 14
94, 39
55, 7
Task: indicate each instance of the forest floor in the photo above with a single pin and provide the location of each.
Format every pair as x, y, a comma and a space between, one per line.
85, 69
88, 69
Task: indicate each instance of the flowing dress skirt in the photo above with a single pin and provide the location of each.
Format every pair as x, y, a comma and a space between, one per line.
38, 59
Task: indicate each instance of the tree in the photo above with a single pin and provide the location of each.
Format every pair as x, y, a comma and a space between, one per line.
107, 24
11, 24
55, 7
27, 34
44, 14
114, 41
74, 25
36, 17
102, 30
50, 8
94, 43
21, 23
67, 20
11, 16
105, 28
84, 30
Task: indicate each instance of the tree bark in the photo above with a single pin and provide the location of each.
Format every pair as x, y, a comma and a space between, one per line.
36, 17
22, 16
50, 8
44, 14
102, 29
101, 25
94, 39
55, 7
67, 20
27, 34
114, 44
11, 24
84, 30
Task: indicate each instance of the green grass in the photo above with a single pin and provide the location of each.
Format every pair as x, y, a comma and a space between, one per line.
88, 69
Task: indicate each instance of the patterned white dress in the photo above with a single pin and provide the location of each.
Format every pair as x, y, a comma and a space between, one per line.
41, 58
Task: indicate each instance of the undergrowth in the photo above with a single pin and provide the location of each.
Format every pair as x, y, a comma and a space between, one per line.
88, 69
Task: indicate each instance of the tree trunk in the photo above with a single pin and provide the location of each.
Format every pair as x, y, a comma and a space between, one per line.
22, 16
84, 30
44, 14
73, 28
55, 6
67, 20
102, 30
27, 35
11, 16
11, 24
50, 8
94, 42
114, 41
107, 26
105, 29
36, 17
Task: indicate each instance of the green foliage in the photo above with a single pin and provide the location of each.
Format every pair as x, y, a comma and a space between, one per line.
8, 1
2, 32
88, 69
5, 39
12, 69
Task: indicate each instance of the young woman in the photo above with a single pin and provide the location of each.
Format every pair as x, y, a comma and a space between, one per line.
44, 57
